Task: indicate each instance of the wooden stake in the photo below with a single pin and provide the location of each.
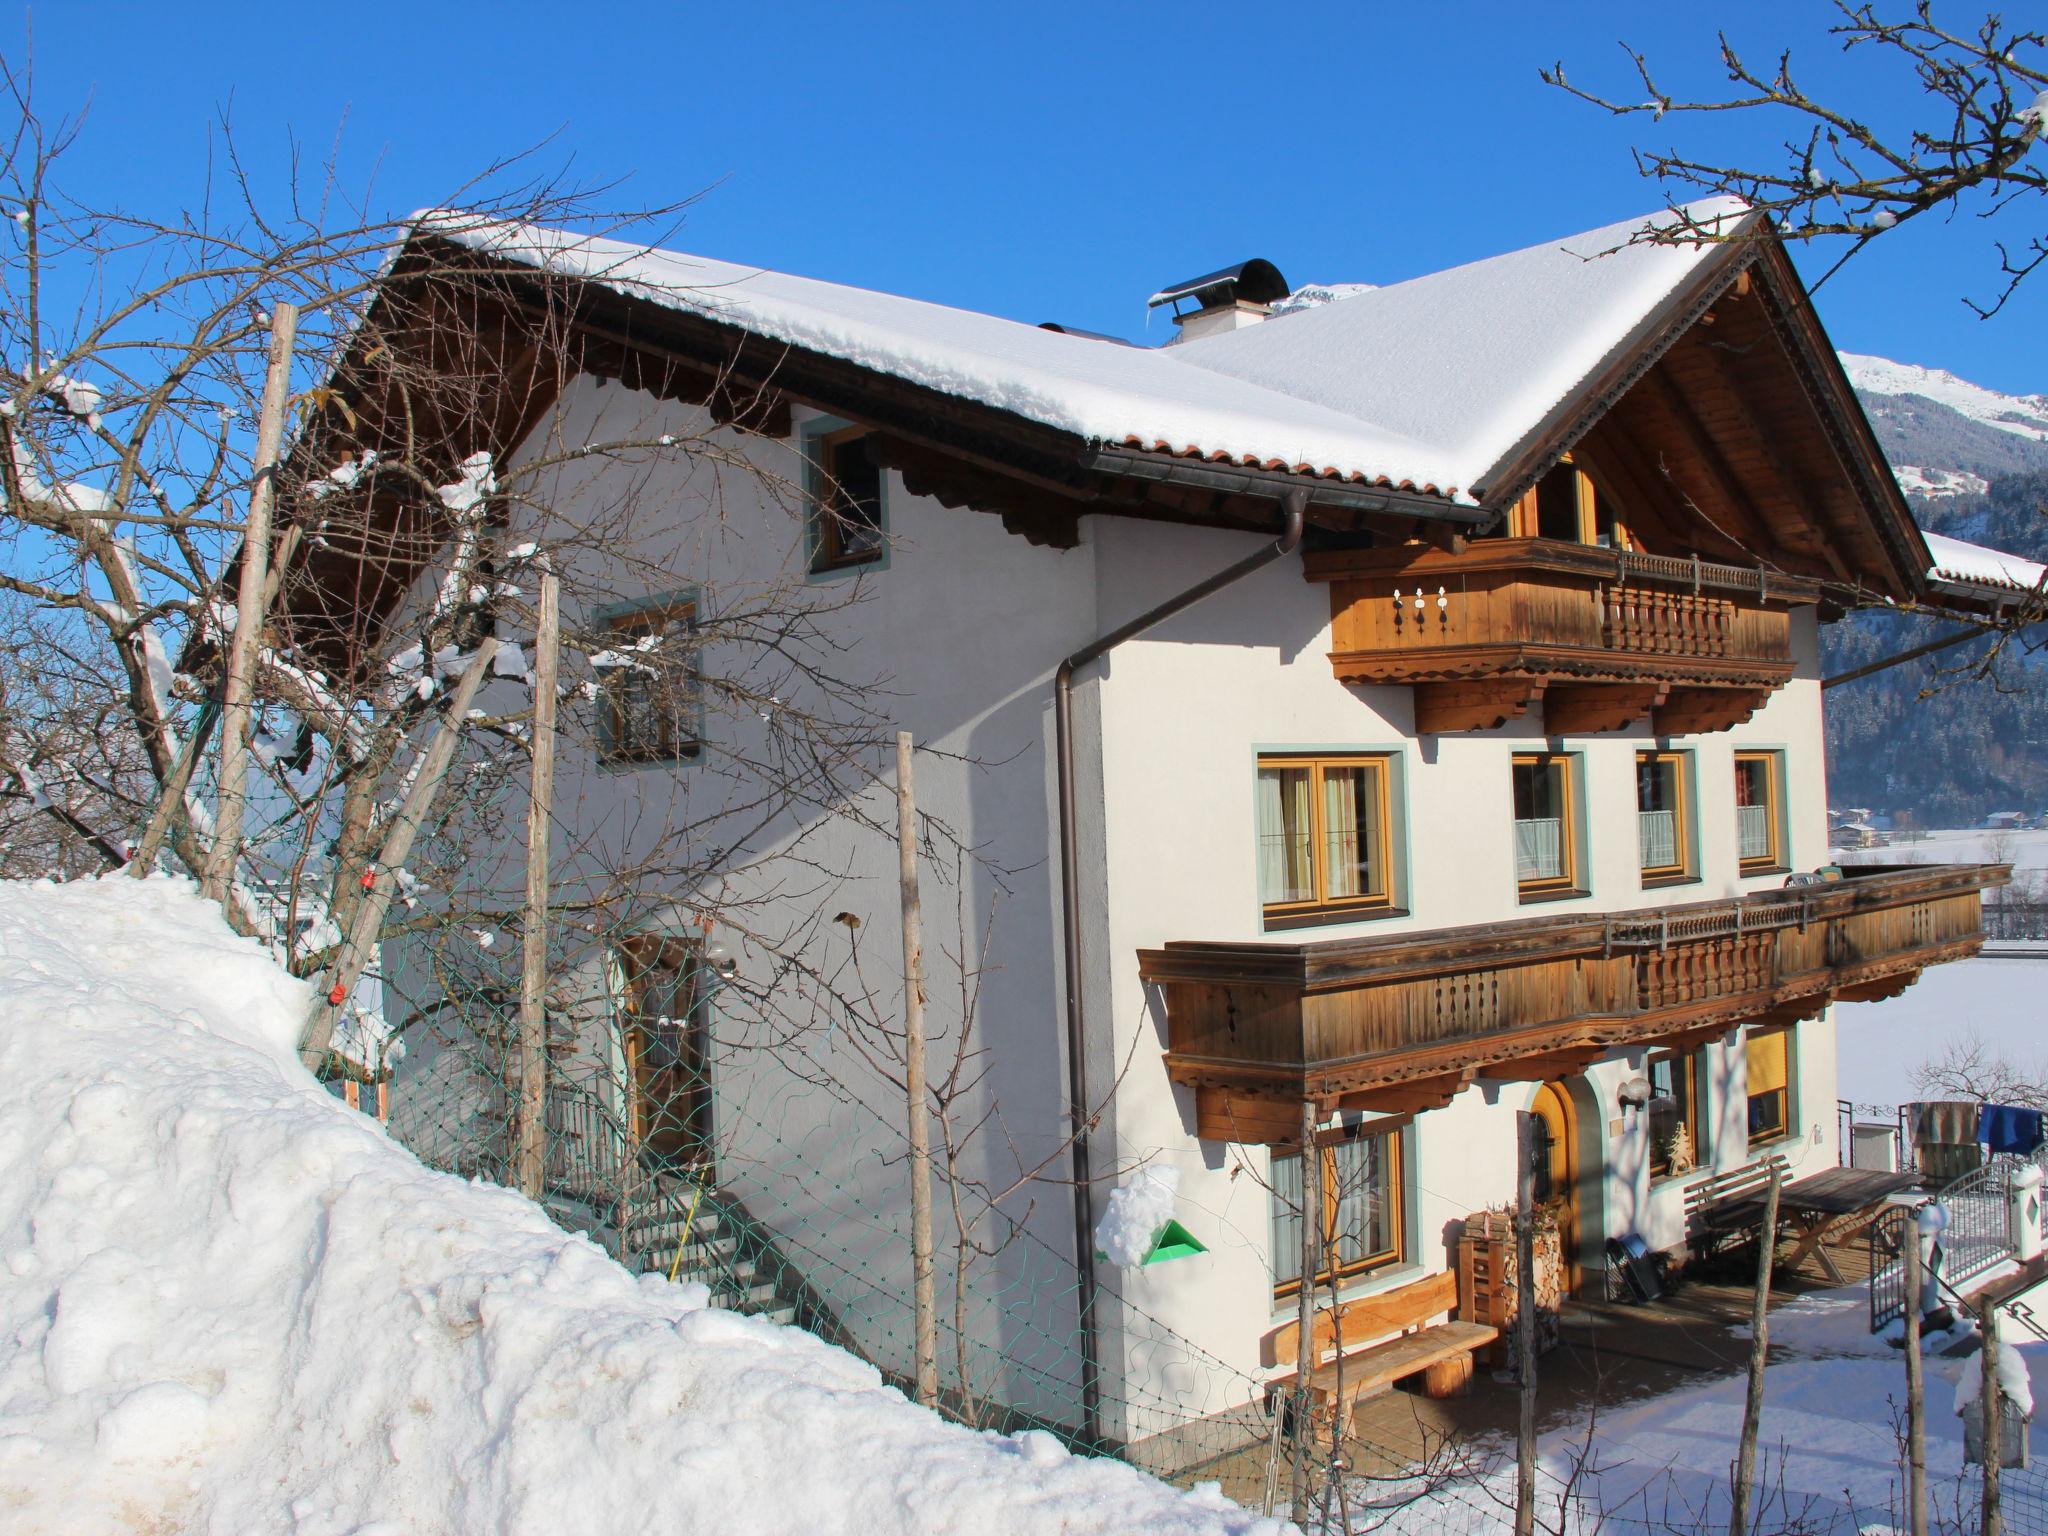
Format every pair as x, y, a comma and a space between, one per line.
1759, 1348
924, 1304
1305, 1308
530, 1135
1525, 1322
1916, 1397
239, 684
356, 949
1992, 1402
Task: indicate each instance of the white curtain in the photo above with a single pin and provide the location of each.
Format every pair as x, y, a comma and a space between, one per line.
1284, 833
1343, 812
1286, 1219
1753, 831
1539, 848
1657, 833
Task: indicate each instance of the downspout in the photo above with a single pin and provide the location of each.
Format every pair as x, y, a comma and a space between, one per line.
1079, 1114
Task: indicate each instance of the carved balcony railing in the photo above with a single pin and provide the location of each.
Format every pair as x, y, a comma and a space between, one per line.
1600, 637
1402, 1023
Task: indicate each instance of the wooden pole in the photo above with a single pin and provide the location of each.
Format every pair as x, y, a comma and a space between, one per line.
531, 1144
1916, 1397
239, 685
924, 1303
1991, 1401
356, 949
1759, 1348
1525, 1322
1305, 1308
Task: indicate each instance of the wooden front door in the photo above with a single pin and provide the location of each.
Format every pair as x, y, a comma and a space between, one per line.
1557, 1170
668, 1058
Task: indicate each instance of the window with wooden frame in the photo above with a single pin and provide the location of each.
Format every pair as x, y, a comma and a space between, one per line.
667, 1044
1759, 812
1768, 1059
1677, 1113
848, 523
1565, 505
1546, 825
1663, 816
1361, 1206
649, 693
1323, 829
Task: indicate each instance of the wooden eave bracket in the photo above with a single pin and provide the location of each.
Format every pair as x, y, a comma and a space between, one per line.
1580, 709
1698, 711
1480, 704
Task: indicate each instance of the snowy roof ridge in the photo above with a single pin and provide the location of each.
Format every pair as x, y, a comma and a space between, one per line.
1962, 563
1534, 324
1422, 385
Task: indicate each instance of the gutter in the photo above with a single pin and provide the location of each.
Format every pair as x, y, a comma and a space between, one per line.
1243, 480
1295, 501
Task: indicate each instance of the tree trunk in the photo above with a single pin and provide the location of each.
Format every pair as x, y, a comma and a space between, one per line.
1525, 1322
1992, 1402
238, 687
1759, 1348
1305, 1308
1916, 1397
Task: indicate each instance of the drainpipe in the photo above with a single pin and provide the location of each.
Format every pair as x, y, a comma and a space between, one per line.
1296, 504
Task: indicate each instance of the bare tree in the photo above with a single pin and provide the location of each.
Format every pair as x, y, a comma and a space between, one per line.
1859, 168
1968, 1067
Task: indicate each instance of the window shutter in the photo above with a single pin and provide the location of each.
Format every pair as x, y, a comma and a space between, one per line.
1768, 1067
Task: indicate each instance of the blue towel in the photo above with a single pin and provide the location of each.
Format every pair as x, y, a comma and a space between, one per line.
2008, 1128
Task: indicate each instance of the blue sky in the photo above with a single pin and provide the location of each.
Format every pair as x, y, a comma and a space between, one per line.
1050, 161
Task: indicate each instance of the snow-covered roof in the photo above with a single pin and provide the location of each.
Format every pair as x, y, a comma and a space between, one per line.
1151, 398
1972, 565
1470, 360
1423, 385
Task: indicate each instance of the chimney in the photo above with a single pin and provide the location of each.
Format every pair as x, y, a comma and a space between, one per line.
1223, 301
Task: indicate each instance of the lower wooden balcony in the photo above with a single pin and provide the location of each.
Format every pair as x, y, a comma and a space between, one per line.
1403, 1023
1600, 638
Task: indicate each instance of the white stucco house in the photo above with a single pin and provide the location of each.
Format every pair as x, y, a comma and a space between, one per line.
1482, 783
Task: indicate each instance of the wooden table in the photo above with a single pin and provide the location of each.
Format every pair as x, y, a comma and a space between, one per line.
1836, 1202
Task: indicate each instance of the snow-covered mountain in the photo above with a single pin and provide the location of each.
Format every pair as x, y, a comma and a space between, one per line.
1945, 436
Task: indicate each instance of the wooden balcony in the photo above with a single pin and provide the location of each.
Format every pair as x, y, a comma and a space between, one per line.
1599, 637
1402, 1023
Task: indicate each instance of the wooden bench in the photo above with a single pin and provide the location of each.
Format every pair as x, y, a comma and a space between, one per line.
1728, 1204
1440, 1353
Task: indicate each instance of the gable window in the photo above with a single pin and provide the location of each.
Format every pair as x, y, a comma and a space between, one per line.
1361, 1206
848, 522
1768, 1055
1565, 505
1323, 828
649, 694
1759, 817
1677, 1113
1663, 826
1546, 826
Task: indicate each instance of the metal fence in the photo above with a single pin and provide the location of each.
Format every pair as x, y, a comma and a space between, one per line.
1978, 1236
2010, 922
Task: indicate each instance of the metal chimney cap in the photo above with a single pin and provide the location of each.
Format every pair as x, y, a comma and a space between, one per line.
1256, 281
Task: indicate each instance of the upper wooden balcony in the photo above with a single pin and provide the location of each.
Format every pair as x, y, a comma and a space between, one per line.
1599, 637
1402, 1023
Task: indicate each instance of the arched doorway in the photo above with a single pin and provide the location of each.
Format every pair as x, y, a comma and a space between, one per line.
1557, 1170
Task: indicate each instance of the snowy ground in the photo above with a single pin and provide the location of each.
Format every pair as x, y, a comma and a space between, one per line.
230, 1305
1827, 1446
1998, 1000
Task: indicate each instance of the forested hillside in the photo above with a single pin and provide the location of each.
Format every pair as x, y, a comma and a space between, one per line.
1928, 737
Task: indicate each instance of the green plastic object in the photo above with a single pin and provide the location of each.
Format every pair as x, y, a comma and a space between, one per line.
1174, 1242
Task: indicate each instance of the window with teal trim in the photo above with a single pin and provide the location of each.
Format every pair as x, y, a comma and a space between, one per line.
650, 695
849, 514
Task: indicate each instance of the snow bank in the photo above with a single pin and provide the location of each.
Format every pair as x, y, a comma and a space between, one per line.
228, 1304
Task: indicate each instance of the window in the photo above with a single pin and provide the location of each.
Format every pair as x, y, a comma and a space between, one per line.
648, 691
1566, 506
1361, 1178
848, 522
1663, 826
1322, 824
1770, 1084
1546, 829
667, 1038
1677, 1113
1759, 821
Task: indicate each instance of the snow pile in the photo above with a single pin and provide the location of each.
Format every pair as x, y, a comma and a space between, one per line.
231, 1305
1137, 1211
2023, 415
2013, 1382
1939, 484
